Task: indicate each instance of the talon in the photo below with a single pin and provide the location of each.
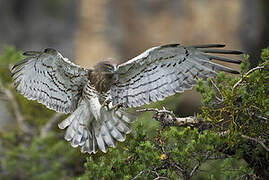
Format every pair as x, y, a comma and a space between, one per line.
116, 106
106, 103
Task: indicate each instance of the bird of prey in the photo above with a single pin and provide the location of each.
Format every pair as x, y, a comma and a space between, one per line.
91, 95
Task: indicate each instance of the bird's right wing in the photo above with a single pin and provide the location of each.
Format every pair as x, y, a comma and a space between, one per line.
50, 79
162, 71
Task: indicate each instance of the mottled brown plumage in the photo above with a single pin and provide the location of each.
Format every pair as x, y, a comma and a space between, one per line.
101, 78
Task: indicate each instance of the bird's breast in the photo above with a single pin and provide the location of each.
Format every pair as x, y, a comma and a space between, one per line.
102, 82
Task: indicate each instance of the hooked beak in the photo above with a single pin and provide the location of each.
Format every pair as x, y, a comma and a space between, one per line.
114, 70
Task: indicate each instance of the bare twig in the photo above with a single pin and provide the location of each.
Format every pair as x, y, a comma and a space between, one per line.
50, 124
194, 169
222, 156
199, 164
17, 112
139, 174
256, 140
261, 117
216, 87
245, 75
223, 133
158, 176
186, 121
180, 169
152, 170
157, 111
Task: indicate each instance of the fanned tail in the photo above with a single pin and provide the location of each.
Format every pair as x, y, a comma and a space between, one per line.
85, 130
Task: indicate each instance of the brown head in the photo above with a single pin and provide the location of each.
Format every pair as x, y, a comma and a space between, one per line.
102, 76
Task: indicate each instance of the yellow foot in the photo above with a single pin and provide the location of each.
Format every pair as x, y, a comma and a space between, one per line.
116, 106
106, 103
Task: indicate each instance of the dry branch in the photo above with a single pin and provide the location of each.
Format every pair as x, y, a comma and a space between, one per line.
256, 140
17, 112
245, 75
168, 118
50, 124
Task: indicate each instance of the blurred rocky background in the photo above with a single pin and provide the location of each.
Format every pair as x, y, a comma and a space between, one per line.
87, 31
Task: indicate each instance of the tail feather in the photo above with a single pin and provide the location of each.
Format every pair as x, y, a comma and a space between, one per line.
108, 139
84, 138
81, 133
100, 141
91, 145
112, 125
69, 133
78, 136
127, 117
121, 125
83, 129
115, 132
86, 147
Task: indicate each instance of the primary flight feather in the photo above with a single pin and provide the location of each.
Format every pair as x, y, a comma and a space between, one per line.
90, 94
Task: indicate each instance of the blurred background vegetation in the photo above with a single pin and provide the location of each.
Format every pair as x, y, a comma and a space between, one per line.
87, 31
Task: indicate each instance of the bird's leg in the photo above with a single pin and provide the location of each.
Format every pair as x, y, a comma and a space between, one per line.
115, 107
106, 103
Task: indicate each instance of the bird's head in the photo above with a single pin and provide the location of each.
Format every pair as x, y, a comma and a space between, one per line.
105, 66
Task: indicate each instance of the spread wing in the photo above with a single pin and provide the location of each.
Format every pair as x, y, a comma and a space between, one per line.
162, 71
50, 79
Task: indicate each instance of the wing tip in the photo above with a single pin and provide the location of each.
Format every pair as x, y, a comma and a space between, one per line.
170, 45
31, 53
224, 59
234, 71
12, 68
237, 52
50, 51
222, 51
235, 61
209, 46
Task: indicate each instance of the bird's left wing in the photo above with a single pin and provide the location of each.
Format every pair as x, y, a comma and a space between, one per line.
162, 71
50, 79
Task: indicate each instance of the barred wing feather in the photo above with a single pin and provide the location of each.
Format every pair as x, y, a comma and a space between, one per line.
162, 71
50, 79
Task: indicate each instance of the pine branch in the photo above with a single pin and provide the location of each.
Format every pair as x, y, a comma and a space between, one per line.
196, 167
50, 124
245, 75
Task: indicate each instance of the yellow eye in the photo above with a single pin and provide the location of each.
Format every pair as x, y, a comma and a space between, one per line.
108, 66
